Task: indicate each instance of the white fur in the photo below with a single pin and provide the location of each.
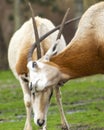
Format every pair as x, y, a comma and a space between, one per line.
26, 33
39, 78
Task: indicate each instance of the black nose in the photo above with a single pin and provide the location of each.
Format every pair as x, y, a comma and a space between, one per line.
40, 122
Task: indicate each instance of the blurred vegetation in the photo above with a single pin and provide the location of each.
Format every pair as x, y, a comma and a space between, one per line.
13, 13
87, 3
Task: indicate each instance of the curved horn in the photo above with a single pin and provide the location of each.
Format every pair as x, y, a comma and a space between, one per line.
63, 23
53, 51
35, 32
46, 35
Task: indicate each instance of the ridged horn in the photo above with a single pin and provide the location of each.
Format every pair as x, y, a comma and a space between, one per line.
63, 23
35, 32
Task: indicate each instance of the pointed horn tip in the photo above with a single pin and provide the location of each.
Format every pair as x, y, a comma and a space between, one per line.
68, 9
35, 32
67, 12
62, 23
29, 3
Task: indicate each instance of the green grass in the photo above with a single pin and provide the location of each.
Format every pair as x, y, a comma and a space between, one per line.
83, 101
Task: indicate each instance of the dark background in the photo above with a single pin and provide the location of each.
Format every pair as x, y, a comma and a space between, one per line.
13, 13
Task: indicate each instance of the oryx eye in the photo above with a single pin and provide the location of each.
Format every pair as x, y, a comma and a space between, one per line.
33, 93
34, 64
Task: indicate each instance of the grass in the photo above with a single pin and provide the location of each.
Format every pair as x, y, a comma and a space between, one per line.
83, 101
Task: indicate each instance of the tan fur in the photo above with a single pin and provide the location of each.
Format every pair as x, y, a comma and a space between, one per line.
28, 104
44, 99
22, 40
85, 59
21, 65
85, 53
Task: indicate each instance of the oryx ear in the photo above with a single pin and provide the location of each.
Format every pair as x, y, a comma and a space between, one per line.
52, 51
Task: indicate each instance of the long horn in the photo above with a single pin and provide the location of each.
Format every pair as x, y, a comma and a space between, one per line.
35, 32
59, 34
63, 23
53, 51
46, 35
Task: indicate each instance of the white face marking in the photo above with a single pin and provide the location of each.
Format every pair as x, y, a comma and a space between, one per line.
43, 76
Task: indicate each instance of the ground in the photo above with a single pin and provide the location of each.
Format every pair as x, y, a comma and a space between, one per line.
83, 101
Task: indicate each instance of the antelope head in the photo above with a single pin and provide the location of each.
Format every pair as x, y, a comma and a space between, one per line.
37, 70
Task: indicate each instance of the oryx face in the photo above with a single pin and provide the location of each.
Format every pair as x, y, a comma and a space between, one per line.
42, 76
40, 103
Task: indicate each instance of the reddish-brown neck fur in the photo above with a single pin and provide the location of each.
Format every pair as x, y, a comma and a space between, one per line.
81, 58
